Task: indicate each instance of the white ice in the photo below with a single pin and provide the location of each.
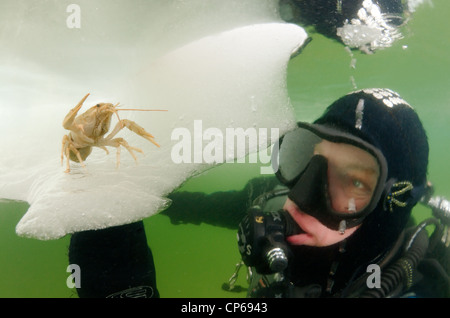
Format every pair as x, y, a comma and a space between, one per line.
221, 62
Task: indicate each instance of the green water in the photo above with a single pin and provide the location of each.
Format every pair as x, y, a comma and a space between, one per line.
195, 260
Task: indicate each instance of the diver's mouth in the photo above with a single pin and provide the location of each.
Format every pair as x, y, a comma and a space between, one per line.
295, 234
292, 227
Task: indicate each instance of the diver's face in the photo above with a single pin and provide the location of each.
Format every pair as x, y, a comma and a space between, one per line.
352, 178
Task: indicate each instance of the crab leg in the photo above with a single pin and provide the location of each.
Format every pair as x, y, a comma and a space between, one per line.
131, 125
67, 146
117, 142
70, 117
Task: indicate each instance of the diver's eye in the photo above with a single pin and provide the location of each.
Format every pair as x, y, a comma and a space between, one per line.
357, 183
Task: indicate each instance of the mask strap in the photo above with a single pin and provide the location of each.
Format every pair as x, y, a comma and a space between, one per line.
392, 198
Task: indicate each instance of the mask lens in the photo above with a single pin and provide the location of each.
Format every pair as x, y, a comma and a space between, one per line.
295, 152
353, 171
353, 175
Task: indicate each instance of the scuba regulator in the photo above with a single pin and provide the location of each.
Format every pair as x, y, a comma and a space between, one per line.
262, 239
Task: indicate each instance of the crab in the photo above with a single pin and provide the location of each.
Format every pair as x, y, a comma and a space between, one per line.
89, 129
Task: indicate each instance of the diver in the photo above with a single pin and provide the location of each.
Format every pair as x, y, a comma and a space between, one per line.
340, 203
367, 25
351, 180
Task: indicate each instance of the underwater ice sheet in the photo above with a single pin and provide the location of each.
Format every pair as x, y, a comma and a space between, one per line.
223, 65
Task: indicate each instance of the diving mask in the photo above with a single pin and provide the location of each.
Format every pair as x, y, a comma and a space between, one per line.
334, 176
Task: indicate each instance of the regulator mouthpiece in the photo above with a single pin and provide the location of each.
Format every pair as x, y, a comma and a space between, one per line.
262, 239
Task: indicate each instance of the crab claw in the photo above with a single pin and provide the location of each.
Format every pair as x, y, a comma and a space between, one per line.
70, 117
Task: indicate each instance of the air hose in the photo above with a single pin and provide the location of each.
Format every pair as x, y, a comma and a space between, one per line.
398, 277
